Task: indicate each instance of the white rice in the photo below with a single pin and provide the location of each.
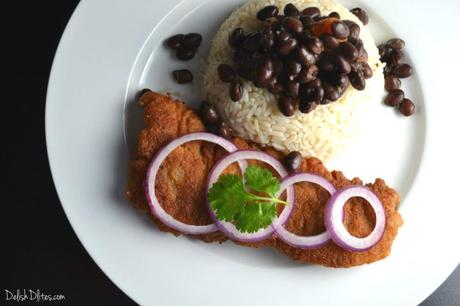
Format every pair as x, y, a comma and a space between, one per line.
322, 133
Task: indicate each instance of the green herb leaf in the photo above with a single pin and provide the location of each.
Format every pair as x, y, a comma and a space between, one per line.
255, 217
249, 212
228, 197
262, 180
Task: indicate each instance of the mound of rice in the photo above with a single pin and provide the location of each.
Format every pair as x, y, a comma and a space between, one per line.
322, 133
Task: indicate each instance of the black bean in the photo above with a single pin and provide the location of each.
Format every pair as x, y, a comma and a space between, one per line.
175, 41
329, 41
277, 66
367, 70
355, 66
325, 64
192, 40
317, 94
392, 82
268, 38
282, 36
236, 90
334, 15
355, 30
312, 12
293, 160
185, 53
396, 43
395, 58
236, 38
307, 106
292, 68
304, 36
343, 65
141, 93
340, 30
257, 56
291, 10
307, 74
331, 92
333, 78
248, 63
183, 76
293, 24
312, 92
343, 81
357, 80
209, 114
315, 45
225, 131
264, 72
246, 72
307, 21
271, 22
387, 69
276, 89
239, 54
272, 81
402, 71
287, 46
304, 56
268, 11
362, 55
407, 107
291, 89
252, 42
226, 73
394, 97
361, 14
315, 83
286, 106
348, 51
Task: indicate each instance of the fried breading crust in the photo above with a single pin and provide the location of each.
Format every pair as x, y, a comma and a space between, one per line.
182, 177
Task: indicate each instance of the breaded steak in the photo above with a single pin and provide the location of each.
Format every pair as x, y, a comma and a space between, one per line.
182, 178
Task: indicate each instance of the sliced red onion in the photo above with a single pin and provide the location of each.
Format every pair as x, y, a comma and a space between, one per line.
149, 184
227, 227
303, 242
334, 215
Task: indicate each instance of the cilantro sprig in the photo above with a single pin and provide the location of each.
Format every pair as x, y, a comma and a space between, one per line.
233, 200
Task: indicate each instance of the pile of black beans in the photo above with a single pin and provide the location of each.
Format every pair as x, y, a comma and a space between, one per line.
305, 59
391, 53
185, 47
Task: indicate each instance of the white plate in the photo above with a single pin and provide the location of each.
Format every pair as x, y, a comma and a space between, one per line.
111, 49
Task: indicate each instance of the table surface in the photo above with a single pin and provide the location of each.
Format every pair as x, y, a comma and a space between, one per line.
41, 251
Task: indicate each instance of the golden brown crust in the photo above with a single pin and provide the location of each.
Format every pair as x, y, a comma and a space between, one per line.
182, 176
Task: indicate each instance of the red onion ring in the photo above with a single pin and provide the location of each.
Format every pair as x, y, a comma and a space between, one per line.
303, 242
149, 184
227, 227
334, 215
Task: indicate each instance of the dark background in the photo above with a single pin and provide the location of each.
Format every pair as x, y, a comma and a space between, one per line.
39, 248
